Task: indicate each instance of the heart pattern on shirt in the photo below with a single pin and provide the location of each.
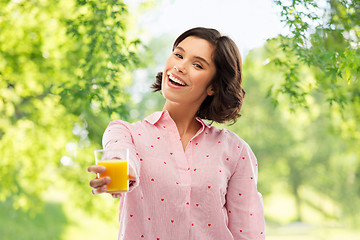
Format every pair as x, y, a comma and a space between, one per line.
154, 137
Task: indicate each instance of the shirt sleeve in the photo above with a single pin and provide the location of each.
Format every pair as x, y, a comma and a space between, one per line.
243, 201
118, 135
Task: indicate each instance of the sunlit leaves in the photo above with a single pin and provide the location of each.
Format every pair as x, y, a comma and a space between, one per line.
326, 38
102, 57
63, 64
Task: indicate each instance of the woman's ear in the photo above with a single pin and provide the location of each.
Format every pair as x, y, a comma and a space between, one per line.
210, 91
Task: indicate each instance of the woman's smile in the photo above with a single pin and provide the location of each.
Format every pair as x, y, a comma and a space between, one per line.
175, 81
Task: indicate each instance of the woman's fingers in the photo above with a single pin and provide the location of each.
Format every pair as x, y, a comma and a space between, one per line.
117, 195
99, 182
96, 169
99, 190
131, 174
99, 185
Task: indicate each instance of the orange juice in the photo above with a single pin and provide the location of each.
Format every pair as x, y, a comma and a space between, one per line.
117, 171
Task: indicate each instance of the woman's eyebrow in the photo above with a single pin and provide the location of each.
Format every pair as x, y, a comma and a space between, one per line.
197, 57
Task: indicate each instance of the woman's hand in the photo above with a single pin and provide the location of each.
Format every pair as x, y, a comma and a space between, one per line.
99, 185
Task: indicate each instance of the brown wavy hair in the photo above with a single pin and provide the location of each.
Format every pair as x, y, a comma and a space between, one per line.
226, 102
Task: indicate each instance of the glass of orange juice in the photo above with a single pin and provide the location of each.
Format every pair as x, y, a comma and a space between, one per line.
116, 163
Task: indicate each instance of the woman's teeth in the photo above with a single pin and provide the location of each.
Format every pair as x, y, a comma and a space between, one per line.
172, 78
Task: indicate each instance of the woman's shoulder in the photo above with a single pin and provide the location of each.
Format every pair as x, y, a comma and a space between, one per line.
229, 136
136, 124
129, 125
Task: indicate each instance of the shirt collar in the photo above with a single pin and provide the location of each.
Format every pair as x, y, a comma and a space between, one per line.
156, 116
204, 123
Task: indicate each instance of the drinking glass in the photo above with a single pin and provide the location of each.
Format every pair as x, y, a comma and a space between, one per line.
116, 163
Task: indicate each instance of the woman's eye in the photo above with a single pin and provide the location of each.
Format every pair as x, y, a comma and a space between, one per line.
198, 65
178, 55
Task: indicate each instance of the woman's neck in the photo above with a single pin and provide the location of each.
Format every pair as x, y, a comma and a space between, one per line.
184, 118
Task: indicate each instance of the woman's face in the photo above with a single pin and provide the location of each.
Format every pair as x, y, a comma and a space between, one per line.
188, 72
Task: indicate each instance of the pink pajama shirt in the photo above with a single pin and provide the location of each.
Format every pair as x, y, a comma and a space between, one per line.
207, 192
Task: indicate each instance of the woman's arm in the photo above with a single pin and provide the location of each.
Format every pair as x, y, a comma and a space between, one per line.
118, 135
243, 202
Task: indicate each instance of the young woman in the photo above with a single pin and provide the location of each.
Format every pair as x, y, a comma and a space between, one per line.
190, 180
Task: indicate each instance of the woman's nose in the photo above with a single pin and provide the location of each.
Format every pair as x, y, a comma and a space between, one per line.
180, 68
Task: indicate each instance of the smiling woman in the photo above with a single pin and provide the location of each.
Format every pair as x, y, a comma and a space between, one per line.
225, 98
187, 66
191, 180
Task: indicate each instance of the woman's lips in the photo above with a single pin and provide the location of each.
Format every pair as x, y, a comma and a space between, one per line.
176, 79
174, 82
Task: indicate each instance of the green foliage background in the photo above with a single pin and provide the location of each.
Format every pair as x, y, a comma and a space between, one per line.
66, 70
320, 65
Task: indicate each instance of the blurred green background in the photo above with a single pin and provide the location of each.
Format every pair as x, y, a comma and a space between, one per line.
69, 67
